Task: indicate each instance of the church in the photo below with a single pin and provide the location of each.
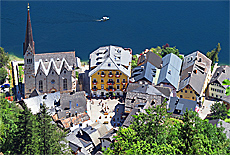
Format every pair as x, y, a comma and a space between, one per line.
46, 72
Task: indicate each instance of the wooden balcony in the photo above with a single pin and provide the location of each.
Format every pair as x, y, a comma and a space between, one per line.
102, 75
117, 75
110, 75
94, 82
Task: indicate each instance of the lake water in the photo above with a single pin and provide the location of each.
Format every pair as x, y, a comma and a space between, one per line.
71, 25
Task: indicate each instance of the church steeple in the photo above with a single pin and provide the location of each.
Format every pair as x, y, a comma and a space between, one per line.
29, 35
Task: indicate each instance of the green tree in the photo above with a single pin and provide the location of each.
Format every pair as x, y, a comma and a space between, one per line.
8, 117
4, 58
167, 50
3, 75
49, 135
213, 55
227, 82
154, 132
157, 50
219, 111
134, 61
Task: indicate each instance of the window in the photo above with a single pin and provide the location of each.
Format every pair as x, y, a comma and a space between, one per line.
102, 73
52, 72
118, 86
64, 72
212, 94
64, 84
181, 96
193, 98
102, 80
40, 86
185, 91
102, 86
29, 61
216, 95
190, 91
40, 73
109, 65
118, 80
110, 73
181, 90
98, 73
52, 81
123, 80
117, 73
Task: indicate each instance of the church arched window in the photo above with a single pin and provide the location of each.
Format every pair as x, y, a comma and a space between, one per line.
40, 86
64, 84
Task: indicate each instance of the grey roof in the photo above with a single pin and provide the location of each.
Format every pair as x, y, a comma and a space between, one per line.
146, 71
221, 73
75, 143
57, 61
194, 58
130, 118
152, 58
171, 70
164, 90
132, 86
195, 80
147, 89
117, 57
109, 135
181, 104
33, 103
77, 99
218, 122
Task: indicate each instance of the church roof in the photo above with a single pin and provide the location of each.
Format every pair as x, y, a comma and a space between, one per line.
57, 61
29, 35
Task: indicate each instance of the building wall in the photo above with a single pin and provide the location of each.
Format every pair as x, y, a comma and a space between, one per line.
41, 76
187, 93
98, 78
215, 91
155, 79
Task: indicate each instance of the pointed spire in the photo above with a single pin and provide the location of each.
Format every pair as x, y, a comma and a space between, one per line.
29, 35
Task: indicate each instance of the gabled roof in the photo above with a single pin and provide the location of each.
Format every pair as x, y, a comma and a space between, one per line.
221, 73
77, 99
130, 118
145, 71
194, 77
181, 104
148, 89
164, 90
197, 58
152, 58
111, 58
132, 86
46, 67
170, 73
33, 103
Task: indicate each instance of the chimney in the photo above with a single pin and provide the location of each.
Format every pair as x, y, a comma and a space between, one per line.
69, 104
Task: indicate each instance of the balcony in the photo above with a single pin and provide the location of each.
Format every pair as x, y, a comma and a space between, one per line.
123, 82
110, 75
117, 75
110, 89
102, 75
110, 83
94, 82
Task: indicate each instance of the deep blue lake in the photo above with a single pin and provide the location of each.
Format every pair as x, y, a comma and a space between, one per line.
71, 25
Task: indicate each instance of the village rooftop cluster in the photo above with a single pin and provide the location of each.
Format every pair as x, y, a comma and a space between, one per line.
92, 101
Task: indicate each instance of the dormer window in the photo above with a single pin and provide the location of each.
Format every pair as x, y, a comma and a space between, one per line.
109, 65
169, 71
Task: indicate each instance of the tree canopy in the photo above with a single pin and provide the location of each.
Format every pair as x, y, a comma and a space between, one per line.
213, 55
219, 111
3, 75
4, 58
227, 82
21, 132
154, 132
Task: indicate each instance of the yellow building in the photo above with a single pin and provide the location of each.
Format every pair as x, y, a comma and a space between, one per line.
110, 69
